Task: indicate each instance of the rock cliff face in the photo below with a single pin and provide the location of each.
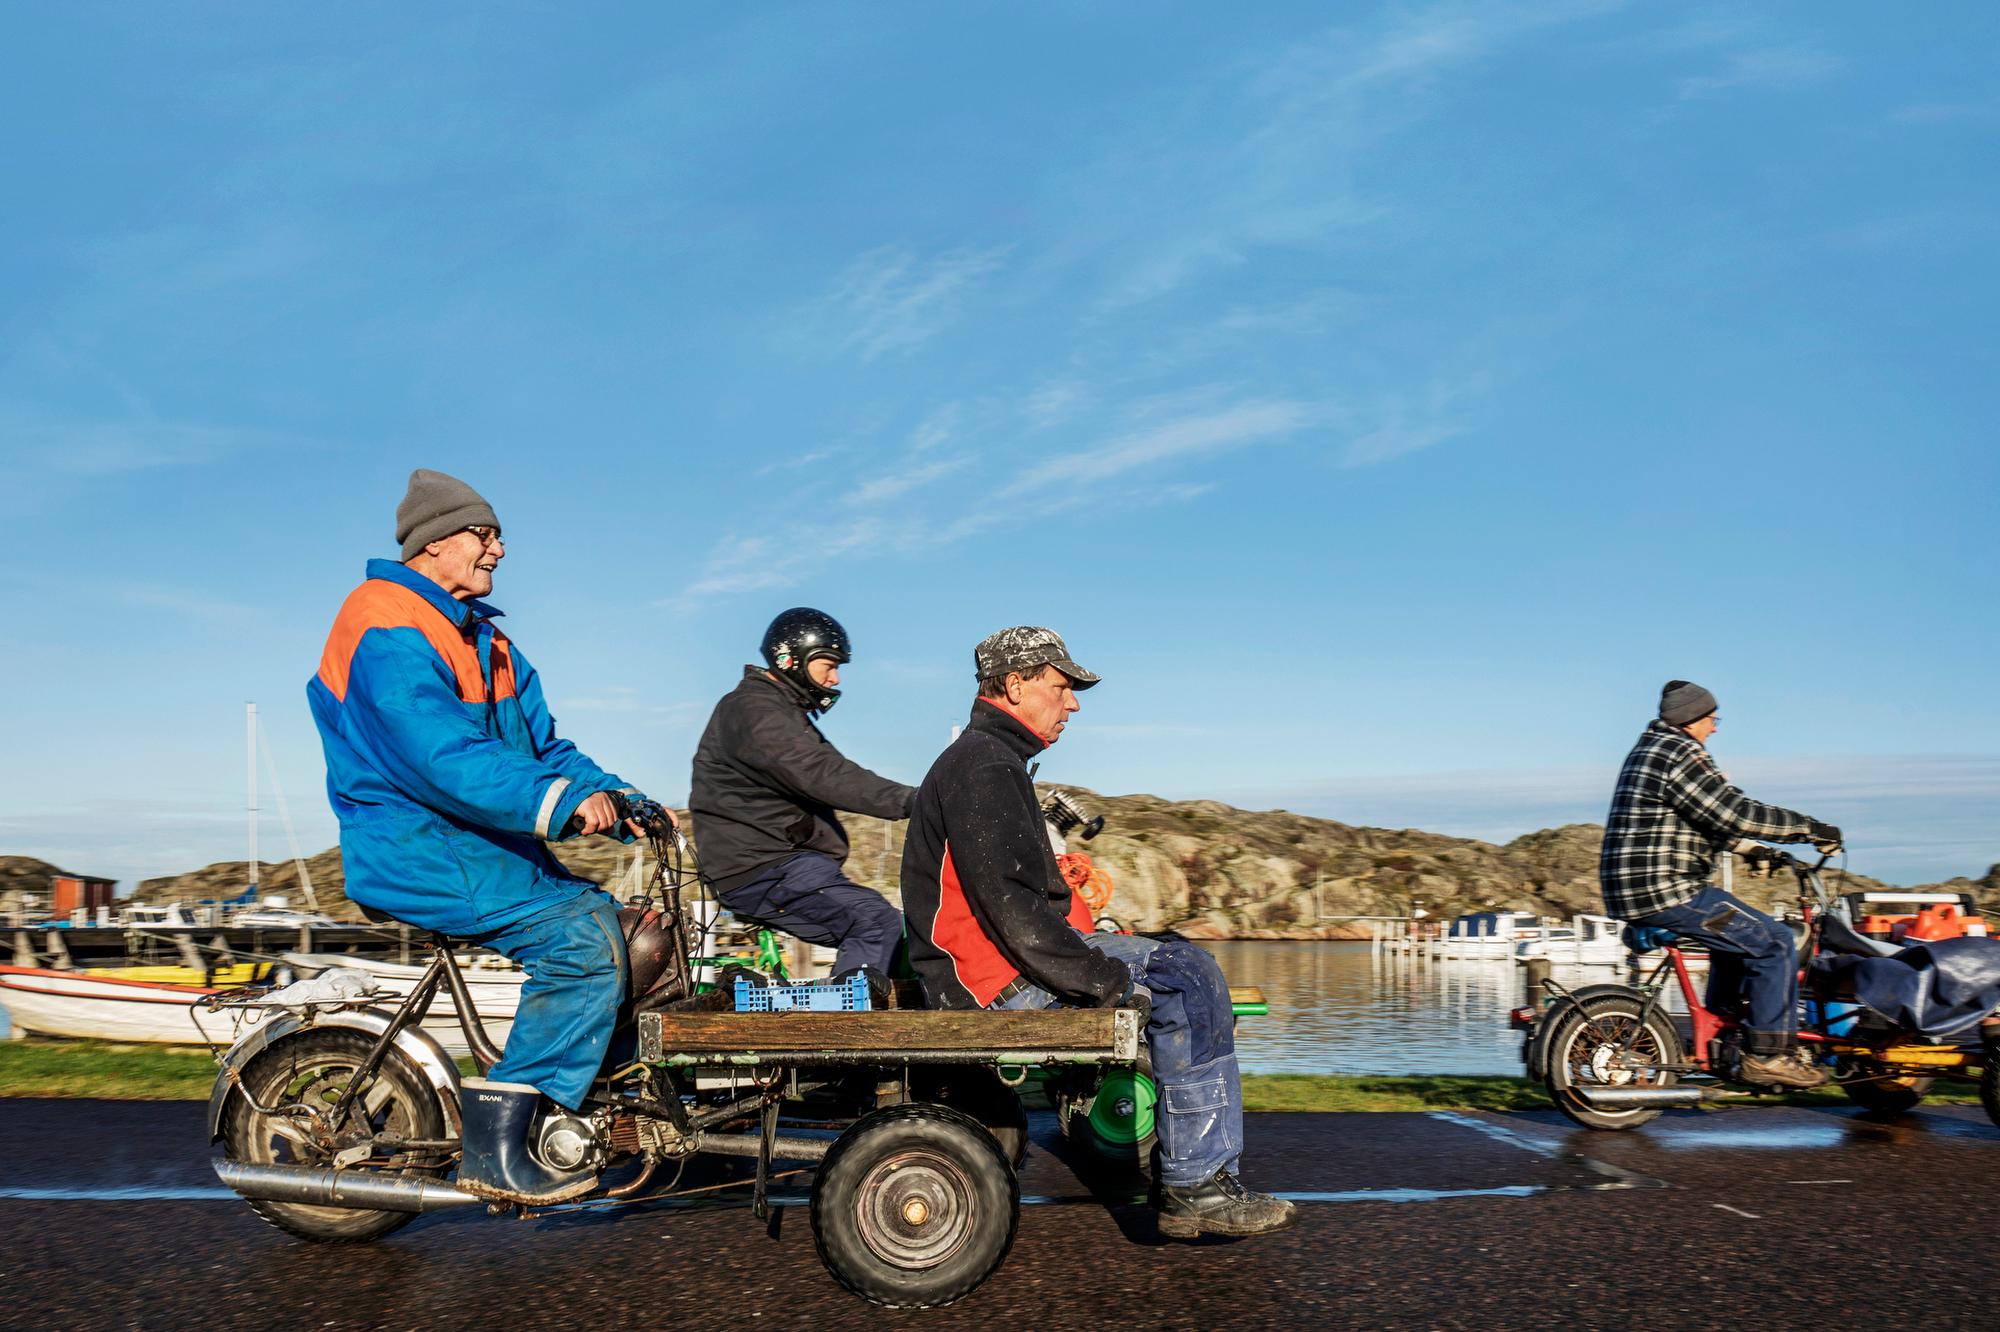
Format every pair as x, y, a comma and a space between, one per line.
1200, 867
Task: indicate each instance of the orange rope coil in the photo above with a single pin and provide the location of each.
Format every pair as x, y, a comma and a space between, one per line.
1086, 880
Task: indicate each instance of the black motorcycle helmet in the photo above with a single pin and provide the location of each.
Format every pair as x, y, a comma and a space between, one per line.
798, 636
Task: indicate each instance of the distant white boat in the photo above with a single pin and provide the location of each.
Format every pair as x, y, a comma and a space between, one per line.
494, 981
1486, 935
43, 1002
1585, 941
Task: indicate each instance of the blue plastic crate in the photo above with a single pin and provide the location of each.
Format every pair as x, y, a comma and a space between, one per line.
844, 996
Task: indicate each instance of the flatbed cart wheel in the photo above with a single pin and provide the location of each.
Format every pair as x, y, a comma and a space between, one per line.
1118, 1122
1583, 1051
313, 1067
914, 1206
1989, 1087
980, 1093
1885, 1096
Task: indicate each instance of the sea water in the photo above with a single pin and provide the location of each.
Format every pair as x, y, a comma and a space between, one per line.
1340, 1007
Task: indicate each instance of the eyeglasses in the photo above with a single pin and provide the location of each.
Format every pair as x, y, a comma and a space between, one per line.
486, 536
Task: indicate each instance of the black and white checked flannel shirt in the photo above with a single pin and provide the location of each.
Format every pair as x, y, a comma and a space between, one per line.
1672, 815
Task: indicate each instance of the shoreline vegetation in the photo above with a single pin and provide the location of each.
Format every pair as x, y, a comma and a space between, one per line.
97, 1070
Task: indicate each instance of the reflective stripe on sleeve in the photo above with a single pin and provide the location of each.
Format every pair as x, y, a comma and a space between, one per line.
550, 799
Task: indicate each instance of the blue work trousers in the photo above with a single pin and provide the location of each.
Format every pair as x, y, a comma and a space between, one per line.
575, 960
810, 896
1192, 1037
1752, 960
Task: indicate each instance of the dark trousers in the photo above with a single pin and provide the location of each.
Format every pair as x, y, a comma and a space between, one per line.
1751, 957
809, 896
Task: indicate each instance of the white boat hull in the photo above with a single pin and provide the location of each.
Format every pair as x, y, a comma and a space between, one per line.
79, 1007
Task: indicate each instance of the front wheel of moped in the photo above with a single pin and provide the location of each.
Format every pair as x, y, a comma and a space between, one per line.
1606, 1045
311, 1069
1989, 1087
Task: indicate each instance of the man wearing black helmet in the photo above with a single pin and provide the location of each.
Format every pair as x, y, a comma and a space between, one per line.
767, 788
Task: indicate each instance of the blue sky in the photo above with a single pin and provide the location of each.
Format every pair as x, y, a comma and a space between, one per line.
1386, 400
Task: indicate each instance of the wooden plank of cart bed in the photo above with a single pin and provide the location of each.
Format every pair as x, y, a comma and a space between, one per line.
887, 1032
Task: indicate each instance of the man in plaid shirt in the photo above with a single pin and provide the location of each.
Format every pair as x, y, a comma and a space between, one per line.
1673, 814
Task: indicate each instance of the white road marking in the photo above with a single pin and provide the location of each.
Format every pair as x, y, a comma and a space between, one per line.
1751, 1216
1819, 1181
1540, 1147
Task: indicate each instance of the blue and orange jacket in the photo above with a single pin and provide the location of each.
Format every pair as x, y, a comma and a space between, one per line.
442, 761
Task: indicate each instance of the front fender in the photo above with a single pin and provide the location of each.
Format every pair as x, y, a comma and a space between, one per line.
416, 1044
1536, 1053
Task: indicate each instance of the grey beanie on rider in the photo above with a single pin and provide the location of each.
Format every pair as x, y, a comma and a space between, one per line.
1682, 702
436, 506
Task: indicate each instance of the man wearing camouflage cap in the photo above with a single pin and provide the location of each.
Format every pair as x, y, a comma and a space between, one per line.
993, 924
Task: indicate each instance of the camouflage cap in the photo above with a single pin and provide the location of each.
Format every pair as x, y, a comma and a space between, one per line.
1024, 647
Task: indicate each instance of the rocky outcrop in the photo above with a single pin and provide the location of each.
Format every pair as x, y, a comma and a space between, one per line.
1204, 868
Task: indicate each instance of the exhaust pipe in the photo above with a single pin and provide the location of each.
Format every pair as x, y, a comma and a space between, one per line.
363, 1189
1639, 1098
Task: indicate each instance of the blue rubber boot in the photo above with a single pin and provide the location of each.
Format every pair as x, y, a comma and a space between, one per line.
499, 1119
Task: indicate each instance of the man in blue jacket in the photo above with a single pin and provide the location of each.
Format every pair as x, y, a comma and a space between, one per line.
448, 778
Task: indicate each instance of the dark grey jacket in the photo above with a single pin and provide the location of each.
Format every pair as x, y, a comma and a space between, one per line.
767, 784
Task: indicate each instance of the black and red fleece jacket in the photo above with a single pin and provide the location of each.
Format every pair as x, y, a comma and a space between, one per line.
981, 891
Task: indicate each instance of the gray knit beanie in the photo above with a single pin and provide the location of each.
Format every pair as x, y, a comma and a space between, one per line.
1682, 702
436, 506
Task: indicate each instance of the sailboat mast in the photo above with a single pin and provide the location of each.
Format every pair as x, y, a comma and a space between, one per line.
250, 781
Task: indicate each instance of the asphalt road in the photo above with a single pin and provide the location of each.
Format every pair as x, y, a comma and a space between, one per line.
1749, 1217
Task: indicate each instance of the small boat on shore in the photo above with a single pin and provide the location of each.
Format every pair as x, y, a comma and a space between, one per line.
80, 1006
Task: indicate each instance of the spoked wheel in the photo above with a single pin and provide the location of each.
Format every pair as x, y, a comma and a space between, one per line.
914, 1206
312, 1069
1118, 1122
1880, 1094
1605, 1046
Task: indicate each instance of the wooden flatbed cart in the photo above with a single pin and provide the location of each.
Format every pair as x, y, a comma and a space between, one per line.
339, 1120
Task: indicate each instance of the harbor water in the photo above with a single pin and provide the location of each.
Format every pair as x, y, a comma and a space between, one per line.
1341, 1007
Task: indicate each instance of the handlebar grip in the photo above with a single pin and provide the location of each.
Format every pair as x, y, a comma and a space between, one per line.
574, 823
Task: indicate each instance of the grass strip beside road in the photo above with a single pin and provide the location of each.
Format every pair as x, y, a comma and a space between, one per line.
105, 1071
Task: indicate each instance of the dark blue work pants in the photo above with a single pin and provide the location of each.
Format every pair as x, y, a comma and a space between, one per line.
1751, 957
810, 896
1192, 1038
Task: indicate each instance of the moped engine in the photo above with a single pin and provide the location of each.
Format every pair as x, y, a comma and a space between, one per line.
569, 1141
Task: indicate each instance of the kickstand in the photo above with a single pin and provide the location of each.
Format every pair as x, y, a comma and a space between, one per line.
767, 1130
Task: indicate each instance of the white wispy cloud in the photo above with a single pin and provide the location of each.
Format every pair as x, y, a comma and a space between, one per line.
1773, 67
902, 480
1404, 424
1946, 113
891, 300
935, 429
1172, 441
89, 448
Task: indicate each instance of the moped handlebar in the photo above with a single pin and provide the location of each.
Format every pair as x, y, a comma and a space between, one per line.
648, 814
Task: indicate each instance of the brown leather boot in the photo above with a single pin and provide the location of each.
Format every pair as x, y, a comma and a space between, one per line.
1788, 1069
